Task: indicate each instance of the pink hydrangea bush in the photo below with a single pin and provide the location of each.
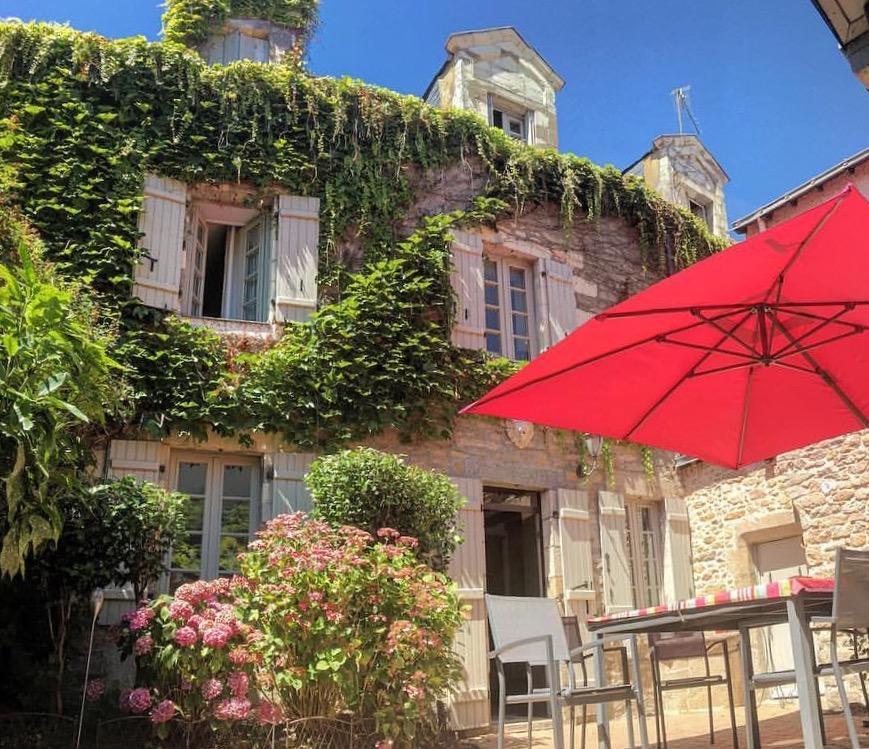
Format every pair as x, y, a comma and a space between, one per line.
325, 628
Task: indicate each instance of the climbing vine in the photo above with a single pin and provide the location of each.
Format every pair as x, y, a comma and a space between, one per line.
82, 118
189, 21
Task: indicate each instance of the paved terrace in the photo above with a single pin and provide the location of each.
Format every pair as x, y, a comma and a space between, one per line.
779, 729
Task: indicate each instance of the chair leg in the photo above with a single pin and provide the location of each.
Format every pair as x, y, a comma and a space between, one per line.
846, 709
529, 678
572, 727
583, 729
502, 705
730, 703
711, 718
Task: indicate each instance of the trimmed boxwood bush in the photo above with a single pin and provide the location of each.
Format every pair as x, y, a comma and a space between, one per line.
372, 490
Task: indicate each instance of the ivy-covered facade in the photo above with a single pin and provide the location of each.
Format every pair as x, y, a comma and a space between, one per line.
294, 264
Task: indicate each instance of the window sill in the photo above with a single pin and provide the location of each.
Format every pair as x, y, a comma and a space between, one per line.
232, 327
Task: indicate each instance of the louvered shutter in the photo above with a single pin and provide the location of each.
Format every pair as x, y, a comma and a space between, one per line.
678, 565
575, 535
559, 316
143, 460
467, 282
469, 706
295, 256
284, 489
161, 224
618, 593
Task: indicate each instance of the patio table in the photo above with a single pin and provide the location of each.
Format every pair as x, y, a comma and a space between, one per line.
793, 601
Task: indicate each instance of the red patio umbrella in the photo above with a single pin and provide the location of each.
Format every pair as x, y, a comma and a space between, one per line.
759, 349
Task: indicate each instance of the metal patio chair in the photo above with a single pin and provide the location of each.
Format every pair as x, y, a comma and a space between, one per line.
574, 644
530, 631
850, 616
677, 646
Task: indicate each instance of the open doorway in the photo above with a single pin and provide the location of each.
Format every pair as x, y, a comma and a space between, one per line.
514, 567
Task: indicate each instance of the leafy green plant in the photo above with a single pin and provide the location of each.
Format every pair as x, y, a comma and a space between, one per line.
334, 636
188, 21
371, 489
55, 377
113, 534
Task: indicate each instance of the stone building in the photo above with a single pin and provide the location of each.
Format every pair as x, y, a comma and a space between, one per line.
537, 521
498, 75
787, 515
684, 172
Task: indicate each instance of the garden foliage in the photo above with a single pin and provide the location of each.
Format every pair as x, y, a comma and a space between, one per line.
370, 489
332, 634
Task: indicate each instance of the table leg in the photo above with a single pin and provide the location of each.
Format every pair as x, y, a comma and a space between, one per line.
752, 730
807, 685
603, 728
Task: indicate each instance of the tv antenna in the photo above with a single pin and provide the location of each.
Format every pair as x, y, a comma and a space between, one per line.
682, 101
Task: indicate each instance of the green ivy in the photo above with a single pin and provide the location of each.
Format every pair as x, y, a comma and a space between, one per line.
189, 21
82, 118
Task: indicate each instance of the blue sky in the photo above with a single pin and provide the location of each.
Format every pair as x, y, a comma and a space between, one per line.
775, 99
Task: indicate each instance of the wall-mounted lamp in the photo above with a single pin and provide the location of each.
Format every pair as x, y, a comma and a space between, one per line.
593, 448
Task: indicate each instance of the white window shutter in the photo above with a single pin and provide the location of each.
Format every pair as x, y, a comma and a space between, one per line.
559, 317
469, 706
575, 534
161, 224
284, 489
467, 281
143, 460
295, 257
678, 564
618, 592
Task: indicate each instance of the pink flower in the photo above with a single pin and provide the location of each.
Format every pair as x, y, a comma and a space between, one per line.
180, 610
315, 595
238, 683
143, 645
388, 533
124, 700
408, 541
211, 689
186, 637
217, 636
94, 690
163, 712
269, 713
140, 700
239, 656
384, 744
235, 708
140, 619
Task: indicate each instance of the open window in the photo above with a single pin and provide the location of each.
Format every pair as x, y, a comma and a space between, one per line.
509, 308
512, 119
228, 263
702, 210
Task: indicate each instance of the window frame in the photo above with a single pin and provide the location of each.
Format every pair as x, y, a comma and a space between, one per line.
506, 113
645, 592
213, 498
506, 312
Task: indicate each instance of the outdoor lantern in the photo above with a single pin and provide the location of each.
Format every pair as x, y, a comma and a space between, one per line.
593, 447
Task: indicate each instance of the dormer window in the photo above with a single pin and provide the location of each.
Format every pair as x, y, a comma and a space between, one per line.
512, 119
511, 124
702, 210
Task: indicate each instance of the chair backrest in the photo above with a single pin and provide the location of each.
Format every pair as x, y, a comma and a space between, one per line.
512, 618
851, 598
573, 635
672, 646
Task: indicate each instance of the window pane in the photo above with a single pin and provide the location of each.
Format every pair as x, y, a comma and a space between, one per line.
497, 118
520, 325
187, 554
519, 300
235, 516
191, 478
493, 343
230, 548
492, 294
237, 481
490, 271
521, 349
194, 512
517, 278
493, 319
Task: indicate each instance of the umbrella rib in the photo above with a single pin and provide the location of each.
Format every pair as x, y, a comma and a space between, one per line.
826, 377
733, 307
710, 349
729, 334
780, 279
817, 344
681, 380
489, 397
820, 326
728, 368
743, 429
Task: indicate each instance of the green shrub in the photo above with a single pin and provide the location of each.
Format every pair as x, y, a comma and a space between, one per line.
373, 490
